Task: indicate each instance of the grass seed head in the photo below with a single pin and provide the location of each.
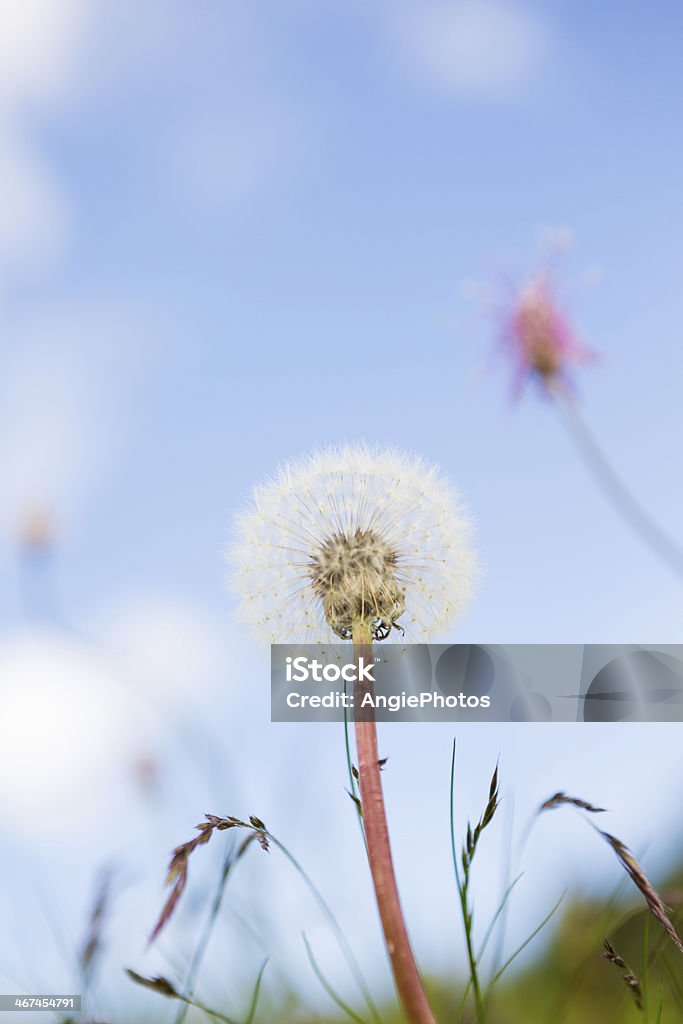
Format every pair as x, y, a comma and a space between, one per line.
610, 954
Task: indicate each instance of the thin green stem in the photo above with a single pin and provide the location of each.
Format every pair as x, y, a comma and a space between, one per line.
328, 988
471, 958
207, 931
254, 998
463, 893
353, 792
214, 1014
496, 916
454, 851
526, 942
334, 925
645, 969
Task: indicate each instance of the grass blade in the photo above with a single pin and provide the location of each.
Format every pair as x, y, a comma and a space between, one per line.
342, 941
205, 937
254, 998
328, 988
454, 851
527, 941
353, 790
499, 911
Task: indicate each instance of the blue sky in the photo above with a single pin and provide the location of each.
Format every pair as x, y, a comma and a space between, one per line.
232, 234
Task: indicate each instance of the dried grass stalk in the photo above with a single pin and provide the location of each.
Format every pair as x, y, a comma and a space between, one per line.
628, 976
179, 865
654, 901
561, 799
639, 878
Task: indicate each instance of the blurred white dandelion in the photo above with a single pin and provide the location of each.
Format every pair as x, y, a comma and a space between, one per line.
352, 535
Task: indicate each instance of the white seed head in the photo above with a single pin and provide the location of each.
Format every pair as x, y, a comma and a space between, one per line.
349, 536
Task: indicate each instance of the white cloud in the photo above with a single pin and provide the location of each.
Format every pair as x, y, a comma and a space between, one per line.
39, 46
223, 148
61, 408
48, 446
67, 733
176, 651
78, 716
219, 159
33, 214
471, 48
555, 240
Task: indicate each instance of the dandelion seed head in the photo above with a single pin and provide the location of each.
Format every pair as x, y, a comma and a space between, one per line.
347, 536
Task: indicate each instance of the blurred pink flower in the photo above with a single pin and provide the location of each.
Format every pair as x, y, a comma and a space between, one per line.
539, 339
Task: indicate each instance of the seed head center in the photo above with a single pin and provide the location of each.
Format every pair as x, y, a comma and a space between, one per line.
354, 575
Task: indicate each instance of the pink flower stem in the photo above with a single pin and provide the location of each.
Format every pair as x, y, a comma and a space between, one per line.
626, 504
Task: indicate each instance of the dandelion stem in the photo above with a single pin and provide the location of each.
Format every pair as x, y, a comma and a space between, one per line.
622, 499
406, 975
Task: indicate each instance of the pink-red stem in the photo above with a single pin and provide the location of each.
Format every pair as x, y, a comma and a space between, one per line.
406, 975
